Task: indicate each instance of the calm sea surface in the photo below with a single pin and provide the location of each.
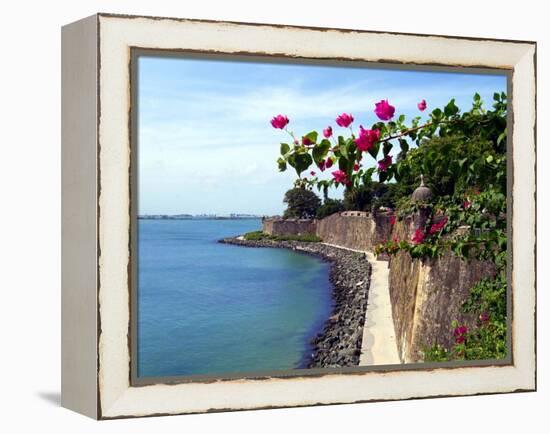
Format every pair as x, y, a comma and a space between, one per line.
211, 308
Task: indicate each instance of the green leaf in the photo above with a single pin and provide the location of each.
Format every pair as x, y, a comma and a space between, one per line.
387, 148
501, 137
373, 151
454, 168
302, 162
284, 148
282, 164
477, 97
320, 151
291, 159
436, 114
345, 164
404, 146
451, 108
382, 176
367, 177
312, 136
342, 146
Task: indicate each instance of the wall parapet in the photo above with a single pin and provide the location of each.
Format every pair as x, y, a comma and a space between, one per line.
352, 229
279, 226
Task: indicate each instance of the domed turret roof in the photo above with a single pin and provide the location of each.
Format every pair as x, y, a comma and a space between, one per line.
422, 193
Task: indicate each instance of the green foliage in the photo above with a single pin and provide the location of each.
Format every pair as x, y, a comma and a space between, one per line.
305, 238
451, 164
255, 236
329, 207
361, 198
487, 341
372, 195
462, 155
301, 203
300, 161
477, 135
488, 296
436, 353
320, 151
262, 236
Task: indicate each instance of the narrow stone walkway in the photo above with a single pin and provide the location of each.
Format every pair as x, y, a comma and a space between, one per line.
379, 346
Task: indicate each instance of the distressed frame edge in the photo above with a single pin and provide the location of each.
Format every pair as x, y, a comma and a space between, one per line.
135, 381
370, 400
79, 125
316, 28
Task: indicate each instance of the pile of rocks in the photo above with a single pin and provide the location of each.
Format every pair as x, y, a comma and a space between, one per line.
339, 344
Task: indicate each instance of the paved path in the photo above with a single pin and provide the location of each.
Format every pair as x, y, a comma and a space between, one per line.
379, 346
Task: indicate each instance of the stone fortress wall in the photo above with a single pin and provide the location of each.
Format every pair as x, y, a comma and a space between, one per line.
426, 295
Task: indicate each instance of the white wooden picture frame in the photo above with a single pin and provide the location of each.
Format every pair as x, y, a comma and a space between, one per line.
97, 184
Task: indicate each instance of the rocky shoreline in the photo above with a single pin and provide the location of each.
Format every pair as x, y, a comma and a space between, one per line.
339, 344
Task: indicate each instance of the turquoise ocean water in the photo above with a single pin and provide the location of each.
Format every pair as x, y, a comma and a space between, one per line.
206, 308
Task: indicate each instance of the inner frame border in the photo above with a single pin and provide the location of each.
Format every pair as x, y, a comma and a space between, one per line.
254, 57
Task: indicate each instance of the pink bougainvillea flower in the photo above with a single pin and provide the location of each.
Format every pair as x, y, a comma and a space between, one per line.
384, 110
437, 226
328, 163
466, 204
392, 220
484, 317
460, 330
296, 142
460, 334
356, 167
306, 141
384, 163
344, 120
422, 105
340, 176
312, 173
367, 138
418, 236
321, 166
327, 132
279, 121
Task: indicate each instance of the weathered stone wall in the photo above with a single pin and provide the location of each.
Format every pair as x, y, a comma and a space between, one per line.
278, 226
427, 295
355, 230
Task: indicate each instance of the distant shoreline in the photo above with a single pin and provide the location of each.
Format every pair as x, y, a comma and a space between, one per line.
197, 217
339, 343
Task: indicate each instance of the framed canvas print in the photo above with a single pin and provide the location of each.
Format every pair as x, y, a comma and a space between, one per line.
262, 216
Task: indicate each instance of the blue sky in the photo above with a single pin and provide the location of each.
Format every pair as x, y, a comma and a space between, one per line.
205, 141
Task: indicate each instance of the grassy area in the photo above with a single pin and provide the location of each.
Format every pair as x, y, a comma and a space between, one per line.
259, 236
